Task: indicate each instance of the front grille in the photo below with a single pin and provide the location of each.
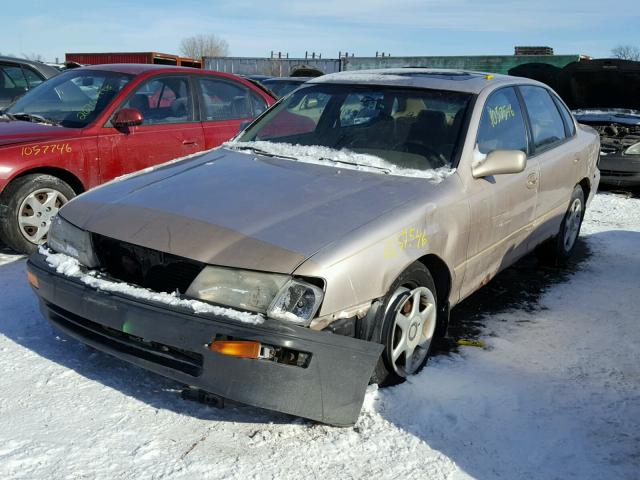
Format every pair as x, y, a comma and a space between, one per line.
608, 150
159, 353
158, 271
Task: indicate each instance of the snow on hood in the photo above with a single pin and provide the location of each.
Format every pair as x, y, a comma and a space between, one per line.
343, 158
613, 115
70, 267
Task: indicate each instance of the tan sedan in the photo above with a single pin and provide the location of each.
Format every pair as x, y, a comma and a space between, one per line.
326, 244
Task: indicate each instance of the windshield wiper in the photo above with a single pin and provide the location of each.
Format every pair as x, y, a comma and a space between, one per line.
259, 151
31, 117
384, 169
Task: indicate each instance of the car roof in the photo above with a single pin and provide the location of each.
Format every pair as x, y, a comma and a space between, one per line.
438, 79
138, 68
44, 69
288, 79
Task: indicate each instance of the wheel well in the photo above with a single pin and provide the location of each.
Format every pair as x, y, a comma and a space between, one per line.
586, 187
441, 276
64, 175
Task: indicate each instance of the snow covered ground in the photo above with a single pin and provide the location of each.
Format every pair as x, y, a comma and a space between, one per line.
555, 393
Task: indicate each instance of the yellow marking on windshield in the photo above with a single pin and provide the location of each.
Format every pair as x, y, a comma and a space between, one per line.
89, 107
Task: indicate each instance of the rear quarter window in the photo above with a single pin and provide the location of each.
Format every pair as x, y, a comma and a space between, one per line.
546, 123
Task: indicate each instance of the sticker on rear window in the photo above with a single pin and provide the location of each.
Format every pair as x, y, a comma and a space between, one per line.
501, 113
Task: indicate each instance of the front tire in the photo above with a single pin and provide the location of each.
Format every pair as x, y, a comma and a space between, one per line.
408, 319
560, 248
31, 203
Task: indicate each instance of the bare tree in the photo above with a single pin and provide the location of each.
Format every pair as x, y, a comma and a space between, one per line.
626, 52
36, 57
204, 46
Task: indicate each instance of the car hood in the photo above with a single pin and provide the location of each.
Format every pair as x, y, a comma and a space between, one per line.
601, 84
611, 115
239, 210
17, 131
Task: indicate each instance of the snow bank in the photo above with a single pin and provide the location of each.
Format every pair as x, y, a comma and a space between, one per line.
70, 267
340, 158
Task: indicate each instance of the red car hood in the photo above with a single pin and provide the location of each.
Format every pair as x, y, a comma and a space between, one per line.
16, 131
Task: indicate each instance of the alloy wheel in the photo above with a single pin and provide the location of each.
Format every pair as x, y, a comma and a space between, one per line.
36, 211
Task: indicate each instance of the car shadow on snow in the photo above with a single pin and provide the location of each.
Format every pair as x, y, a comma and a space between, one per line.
518, 287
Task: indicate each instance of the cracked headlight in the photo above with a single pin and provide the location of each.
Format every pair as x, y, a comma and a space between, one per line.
296, 302
64, 237
633, 149
243, 289
278, 296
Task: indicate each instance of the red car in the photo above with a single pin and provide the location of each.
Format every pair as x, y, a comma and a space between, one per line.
89, 125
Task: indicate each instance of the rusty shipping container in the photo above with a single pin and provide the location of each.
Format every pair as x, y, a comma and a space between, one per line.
132, 57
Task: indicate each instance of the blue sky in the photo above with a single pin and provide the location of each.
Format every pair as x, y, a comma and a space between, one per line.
401, 27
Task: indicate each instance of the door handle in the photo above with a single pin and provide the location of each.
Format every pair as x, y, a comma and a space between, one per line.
532, 180
189, 142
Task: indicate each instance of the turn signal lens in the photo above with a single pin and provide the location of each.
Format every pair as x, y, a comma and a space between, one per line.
236, 348
33, 280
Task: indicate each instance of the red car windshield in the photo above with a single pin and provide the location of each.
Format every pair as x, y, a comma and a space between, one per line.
73, 99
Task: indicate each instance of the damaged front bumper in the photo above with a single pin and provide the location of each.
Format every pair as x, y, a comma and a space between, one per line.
328, 386
620, 170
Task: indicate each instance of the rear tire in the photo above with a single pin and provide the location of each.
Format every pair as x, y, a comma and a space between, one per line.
31, 201
558, 249
408, 320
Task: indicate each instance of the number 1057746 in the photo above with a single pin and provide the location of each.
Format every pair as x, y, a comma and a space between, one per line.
43, 149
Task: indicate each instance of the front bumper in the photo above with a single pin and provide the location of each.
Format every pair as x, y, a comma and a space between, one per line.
619, 170
172, 342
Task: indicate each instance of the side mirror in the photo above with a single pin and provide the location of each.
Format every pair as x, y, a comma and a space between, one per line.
127, 117
500, 162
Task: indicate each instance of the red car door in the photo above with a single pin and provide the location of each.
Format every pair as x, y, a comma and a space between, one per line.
225, 105
170, 129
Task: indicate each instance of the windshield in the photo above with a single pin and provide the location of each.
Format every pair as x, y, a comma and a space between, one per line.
72, 99
414, 129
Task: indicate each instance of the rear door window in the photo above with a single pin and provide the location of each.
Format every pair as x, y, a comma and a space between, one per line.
227, 100
32, 77
502, 126
12, 83
546, 123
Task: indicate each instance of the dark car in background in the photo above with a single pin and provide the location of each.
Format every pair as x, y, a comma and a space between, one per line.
88, 125
619, 144
605, 94
18, 76
283, 86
